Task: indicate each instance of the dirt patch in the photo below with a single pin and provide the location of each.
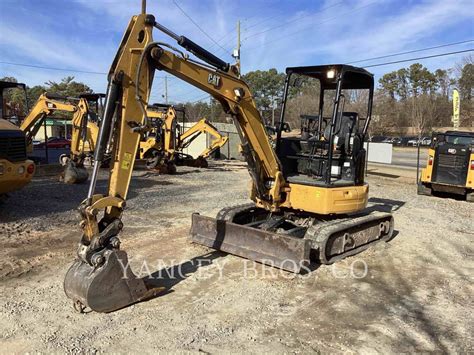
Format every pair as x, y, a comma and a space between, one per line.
412, 294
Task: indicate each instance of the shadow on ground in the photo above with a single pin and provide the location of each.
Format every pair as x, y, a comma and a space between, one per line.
47, 195
173, 275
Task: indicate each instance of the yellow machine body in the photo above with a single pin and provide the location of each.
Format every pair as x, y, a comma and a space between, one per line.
96, 279
324, 201
450, 165
15, 171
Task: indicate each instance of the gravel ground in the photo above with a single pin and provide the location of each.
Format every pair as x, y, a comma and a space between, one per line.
412, 294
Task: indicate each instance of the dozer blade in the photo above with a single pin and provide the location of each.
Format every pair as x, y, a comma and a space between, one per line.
282, 251
106, 288
74, 174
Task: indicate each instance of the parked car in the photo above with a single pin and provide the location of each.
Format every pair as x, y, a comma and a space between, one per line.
377, 139
55, 142
413, 142
404, 141
391, 140
425, 141
397, 141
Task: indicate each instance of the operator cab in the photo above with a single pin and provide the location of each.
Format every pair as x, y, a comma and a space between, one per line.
8, 112
333, 104
96, 106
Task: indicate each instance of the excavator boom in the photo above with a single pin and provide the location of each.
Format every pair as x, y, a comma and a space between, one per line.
84, 132
299, 212
203, 126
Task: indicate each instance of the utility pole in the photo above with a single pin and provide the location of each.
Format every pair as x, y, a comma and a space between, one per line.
212, 108
236, 53
166, 89
273, 111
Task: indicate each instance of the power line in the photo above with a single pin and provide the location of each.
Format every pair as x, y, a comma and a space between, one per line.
200, 99
65, 69
319, 23
222, 38
260, 22
412, 51
419, 58
386, 63
199, 27
51, 68
291, 21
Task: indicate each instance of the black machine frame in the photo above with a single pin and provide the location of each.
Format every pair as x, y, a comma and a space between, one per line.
12, 85
345, 77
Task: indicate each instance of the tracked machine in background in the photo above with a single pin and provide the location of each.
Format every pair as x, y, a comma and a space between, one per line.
450, 165
163, 144
203, 126
309, 195
84, 129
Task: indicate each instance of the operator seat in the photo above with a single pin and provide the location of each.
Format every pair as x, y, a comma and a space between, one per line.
343, 131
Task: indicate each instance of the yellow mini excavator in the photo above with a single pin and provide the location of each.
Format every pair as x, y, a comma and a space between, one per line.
203, 126
158, 144
309, 195
163, 144
84, 131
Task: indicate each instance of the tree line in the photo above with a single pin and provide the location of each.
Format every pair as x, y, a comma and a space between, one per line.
412, 97
15, 99
409, 99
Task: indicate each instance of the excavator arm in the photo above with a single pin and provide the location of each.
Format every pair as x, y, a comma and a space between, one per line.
236, 99
83, 141
203, 126
97, 271
97, 278
84, 132
159, 144
101, 279
45, 106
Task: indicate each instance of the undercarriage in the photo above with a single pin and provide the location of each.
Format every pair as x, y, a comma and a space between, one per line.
289, 240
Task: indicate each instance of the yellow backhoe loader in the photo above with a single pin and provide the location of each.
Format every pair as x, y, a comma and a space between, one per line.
84, 129
309, 196
16, 170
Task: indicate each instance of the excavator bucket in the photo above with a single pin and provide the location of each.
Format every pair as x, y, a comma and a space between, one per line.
285, 252
75, 174
108, 287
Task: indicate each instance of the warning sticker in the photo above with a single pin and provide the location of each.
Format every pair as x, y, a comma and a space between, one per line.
126, 161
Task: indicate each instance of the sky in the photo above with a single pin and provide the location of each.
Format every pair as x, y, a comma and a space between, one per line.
84, 35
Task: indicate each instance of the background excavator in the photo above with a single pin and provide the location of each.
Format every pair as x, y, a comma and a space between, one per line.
203, 126
164, 142
309, 195
84, 129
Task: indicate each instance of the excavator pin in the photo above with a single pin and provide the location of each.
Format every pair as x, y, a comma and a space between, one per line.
107, 284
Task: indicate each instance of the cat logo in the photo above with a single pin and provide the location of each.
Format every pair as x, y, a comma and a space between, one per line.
452, 150
214, 80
